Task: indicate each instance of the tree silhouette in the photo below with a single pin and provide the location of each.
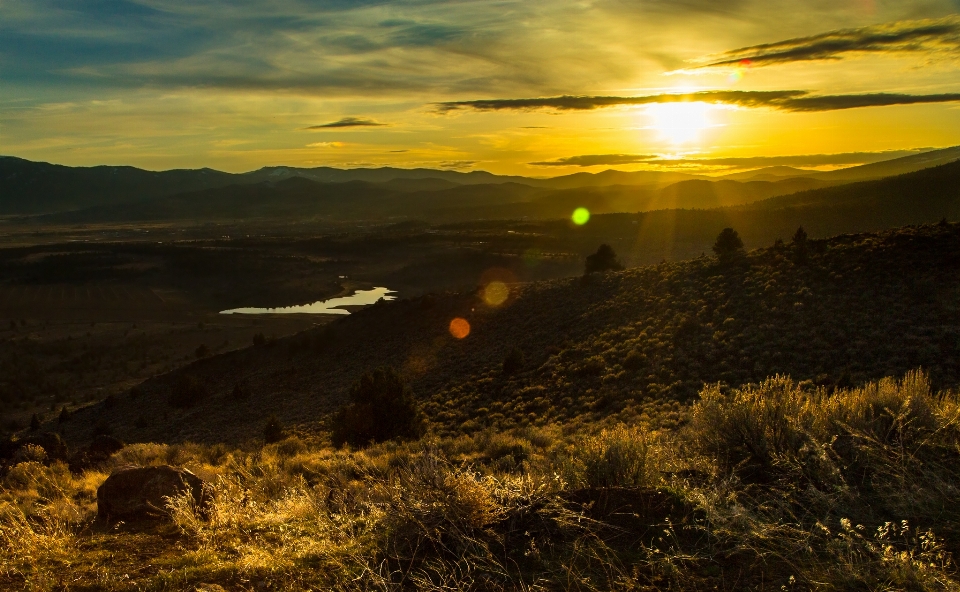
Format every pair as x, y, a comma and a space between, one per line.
799, 244
728, 246
605, 259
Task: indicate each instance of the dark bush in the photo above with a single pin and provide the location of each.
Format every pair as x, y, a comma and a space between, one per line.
187, 391
202, 351
381, 408
605, 259
273, 430
259, 339
514, 362
34, 423
239, 392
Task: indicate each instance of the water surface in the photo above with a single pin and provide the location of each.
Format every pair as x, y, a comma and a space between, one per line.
358, 298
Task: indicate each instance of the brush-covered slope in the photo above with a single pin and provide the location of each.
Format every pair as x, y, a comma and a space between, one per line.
859, 308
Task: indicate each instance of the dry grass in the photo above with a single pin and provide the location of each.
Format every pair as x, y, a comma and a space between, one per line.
772, 486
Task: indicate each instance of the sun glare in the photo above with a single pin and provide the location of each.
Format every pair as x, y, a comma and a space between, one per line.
680, 123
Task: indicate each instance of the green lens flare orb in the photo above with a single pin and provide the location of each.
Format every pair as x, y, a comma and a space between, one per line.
580, 216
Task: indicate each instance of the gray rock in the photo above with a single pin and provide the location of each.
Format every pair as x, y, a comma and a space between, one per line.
139, 492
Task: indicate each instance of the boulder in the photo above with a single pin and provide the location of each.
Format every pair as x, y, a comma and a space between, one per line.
140, 492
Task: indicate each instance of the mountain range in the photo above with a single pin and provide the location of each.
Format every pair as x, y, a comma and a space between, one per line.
128, 193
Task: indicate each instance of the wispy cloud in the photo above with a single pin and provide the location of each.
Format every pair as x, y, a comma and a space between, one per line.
785, 100
904, 36
348, 122
588, 160
458, 164
804, 160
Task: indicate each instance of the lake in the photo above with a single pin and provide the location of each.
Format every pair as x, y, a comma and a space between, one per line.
358, 298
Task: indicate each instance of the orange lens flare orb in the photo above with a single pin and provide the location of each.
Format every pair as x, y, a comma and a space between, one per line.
496, 293
459, 328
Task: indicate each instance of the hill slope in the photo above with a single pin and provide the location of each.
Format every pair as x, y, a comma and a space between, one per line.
862, 307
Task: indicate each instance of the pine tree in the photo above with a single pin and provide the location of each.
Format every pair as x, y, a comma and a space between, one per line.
605, 259
728, 246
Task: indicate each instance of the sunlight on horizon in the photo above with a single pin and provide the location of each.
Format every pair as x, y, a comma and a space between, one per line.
680, 123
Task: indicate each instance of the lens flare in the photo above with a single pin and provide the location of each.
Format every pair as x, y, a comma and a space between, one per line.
580, 216
496, 293
740, 71
459, 328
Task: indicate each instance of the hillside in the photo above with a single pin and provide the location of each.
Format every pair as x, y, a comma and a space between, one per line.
860, 308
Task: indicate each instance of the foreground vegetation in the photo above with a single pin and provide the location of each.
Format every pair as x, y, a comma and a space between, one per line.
775, 485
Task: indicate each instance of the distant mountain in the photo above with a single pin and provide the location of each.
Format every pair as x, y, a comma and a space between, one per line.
922, 195
377, 175
28, 187
896, 166
772, 173
434, 200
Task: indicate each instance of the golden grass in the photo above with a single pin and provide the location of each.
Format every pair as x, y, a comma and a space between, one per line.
772, 486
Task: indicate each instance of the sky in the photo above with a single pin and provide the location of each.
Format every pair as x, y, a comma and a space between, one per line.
531, 87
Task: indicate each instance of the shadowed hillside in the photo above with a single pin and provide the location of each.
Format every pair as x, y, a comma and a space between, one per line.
853, 308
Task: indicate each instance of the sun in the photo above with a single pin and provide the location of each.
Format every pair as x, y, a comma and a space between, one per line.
681, 122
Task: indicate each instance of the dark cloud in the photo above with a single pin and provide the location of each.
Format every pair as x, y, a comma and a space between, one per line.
458, 164
784, 100
348, 122
586, 103
836, 102
900, 36
806, 160
587, 160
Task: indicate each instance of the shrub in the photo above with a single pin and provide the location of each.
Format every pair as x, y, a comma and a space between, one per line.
187, 391
273, 430
618, 457
514, 362
605, 259
35, 423
381, 408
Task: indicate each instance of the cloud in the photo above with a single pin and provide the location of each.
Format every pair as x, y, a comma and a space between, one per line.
348, 122
805, 160
784, 100
904, 36
587, 160
586, 103
326, 145
458, 164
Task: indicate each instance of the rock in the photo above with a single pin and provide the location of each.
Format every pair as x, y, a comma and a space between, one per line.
139, 492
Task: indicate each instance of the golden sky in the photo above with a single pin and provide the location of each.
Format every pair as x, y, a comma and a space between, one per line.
515, 87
